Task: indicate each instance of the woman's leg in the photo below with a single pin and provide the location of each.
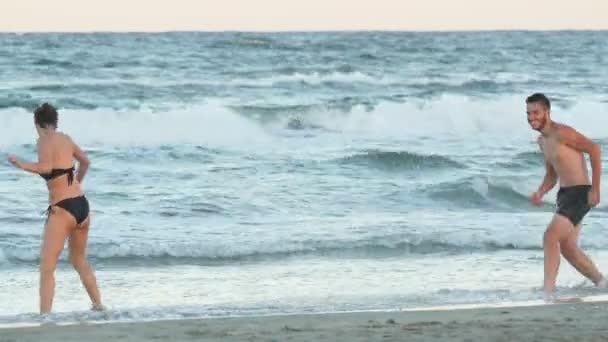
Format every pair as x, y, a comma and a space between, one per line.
56, 230
78, 258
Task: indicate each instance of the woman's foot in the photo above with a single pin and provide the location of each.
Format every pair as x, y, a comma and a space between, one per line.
602, 283
98, 307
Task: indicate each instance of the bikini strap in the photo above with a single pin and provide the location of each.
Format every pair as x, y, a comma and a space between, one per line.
71, 175
48, 212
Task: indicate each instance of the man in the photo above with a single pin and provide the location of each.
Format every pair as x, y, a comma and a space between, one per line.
563, 149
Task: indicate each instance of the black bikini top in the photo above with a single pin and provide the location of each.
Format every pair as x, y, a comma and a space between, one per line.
59, 172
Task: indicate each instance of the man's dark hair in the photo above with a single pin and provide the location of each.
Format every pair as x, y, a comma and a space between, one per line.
539, 97
46, 115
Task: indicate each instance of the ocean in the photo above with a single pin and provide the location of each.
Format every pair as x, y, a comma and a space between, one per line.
277, 173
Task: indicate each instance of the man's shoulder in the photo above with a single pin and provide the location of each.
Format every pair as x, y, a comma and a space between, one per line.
562, 127
564, 131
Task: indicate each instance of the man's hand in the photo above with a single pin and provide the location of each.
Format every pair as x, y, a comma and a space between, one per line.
594, 198
537, 198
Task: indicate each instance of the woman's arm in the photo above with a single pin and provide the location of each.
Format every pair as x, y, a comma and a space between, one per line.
43, 165
83, 161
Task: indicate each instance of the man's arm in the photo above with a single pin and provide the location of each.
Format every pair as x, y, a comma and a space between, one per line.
569, 136
549, 180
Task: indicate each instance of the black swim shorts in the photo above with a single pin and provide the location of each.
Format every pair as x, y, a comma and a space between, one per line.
573, 202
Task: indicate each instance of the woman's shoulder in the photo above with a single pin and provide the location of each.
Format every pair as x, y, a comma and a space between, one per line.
63, 138
43, 140
56, 139
64, 135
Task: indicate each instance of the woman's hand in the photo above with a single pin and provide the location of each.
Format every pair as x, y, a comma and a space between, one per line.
13, 160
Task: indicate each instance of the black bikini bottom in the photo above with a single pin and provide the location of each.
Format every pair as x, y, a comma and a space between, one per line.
76, 206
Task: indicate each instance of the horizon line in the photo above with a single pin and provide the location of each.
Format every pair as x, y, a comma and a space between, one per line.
310, 31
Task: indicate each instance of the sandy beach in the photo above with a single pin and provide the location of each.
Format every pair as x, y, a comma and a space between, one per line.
585, 321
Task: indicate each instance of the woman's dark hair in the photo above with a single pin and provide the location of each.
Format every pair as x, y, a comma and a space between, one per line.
46, 115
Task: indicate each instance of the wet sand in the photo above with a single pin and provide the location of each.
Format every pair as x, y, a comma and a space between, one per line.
585, 321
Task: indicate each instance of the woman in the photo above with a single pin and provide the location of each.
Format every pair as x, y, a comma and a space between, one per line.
68, 212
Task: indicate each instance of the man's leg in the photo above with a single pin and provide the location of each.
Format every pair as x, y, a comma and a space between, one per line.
557, 231
578, 259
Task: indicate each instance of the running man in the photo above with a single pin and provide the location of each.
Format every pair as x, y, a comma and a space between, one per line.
563, 148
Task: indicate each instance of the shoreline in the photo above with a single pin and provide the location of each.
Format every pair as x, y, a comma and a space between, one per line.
583, 320
37, 321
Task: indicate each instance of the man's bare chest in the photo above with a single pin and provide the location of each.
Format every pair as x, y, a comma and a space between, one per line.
553, 150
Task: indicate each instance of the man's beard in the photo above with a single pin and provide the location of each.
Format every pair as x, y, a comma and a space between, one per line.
542, 124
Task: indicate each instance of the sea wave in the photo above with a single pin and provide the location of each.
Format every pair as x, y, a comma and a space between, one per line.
400, 160
479, 192
222, 252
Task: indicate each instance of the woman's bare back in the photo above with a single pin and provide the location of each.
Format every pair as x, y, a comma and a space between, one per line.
60, 151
